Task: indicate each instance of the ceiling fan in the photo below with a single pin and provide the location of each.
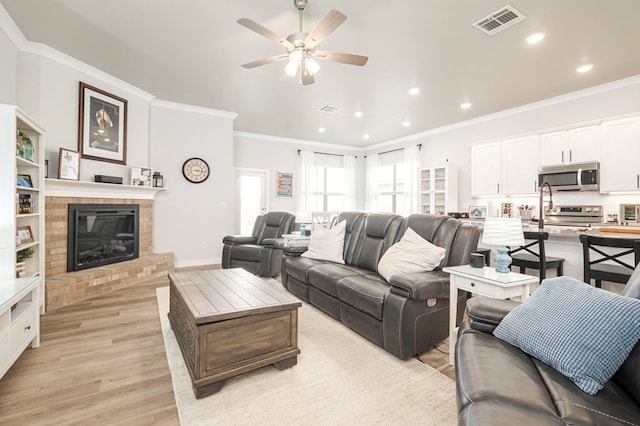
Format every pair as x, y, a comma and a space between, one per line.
301, 46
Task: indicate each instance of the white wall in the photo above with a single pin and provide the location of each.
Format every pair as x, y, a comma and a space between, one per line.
281, 155
190, 220
8, 68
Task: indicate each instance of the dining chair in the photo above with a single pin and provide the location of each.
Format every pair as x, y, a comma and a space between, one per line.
532, 255
615, 251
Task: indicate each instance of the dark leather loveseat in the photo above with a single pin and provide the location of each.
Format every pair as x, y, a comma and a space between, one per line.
405, 316
498, 384
261, 252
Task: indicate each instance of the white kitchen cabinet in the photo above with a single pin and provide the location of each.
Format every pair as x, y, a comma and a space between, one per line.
620, 154
438, 189
569, 146
486, 169
520, 165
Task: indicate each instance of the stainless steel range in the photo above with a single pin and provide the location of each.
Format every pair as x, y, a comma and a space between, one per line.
573, 215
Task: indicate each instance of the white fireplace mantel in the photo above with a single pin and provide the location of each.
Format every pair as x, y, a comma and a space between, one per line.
80, 189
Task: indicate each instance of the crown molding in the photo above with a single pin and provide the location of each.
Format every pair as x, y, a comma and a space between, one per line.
295, 141
193, 109
11, 29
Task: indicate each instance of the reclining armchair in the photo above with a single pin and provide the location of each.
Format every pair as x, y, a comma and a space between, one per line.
261, 252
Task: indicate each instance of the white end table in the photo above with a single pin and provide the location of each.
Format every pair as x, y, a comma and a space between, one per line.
484, 282
292, 240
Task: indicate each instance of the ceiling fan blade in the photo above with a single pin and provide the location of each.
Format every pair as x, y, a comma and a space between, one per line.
326, 26
264, 61
343, 58
254, 26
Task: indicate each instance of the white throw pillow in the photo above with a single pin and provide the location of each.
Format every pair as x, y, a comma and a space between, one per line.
327, 244
411, 254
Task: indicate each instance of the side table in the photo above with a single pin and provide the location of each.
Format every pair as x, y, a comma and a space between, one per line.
484, 282
296, 240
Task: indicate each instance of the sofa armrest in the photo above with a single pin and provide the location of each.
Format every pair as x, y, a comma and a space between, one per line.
273, 242
421, 285
294, 251
485, 313
239, 239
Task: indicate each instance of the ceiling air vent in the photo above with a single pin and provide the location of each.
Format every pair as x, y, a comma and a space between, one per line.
499, 20
330, 108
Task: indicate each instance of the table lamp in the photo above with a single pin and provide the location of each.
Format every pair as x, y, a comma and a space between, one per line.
502, 232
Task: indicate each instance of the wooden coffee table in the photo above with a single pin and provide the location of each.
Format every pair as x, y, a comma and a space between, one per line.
228, 322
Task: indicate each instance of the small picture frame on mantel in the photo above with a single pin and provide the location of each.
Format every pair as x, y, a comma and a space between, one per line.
69, 165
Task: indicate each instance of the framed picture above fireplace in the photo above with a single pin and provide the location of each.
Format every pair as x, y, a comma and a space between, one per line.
102, 128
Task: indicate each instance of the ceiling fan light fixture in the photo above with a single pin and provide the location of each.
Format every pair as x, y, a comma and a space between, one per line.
311, 65
291, 69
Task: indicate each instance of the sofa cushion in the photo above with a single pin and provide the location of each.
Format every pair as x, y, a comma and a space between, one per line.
327, 244
326, 276
366, 293
246, 252
411, 254
298, 267
583, 332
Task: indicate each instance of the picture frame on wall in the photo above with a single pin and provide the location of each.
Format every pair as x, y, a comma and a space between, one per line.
284, 185
141, 176
68, 164
102, 128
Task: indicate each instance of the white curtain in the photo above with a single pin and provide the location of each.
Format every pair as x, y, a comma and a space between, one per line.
349, 164
411, 180
305, 201
371, 202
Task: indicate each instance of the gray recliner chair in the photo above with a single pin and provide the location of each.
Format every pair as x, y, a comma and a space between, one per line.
261, 252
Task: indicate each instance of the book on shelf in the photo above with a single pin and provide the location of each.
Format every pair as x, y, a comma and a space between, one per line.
25, 204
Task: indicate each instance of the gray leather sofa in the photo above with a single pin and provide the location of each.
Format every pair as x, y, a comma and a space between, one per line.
498, 384
405, 316
261, 252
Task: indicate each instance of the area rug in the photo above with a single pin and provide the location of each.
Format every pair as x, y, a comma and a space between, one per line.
340, 378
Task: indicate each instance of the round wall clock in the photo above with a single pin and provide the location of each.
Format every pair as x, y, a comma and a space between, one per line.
195, 170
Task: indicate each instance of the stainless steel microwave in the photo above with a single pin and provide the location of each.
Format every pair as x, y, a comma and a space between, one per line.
571, 177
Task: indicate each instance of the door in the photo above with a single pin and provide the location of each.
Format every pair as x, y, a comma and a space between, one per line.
251, 198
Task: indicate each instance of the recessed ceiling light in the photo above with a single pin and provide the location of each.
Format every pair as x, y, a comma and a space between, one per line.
359, 114
465, 105
414, 91
535, 38
365, 136
584, 68
406, 123
322, 130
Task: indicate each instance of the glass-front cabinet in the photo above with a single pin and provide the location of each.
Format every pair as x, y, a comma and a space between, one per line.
438, 189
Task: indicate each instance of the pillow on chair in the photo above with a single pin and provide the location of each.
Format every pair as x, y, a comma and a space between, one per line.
585, 333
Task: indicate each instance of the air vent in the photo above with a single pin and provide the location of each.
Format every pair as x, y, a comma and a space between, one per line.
330, 108
499, 20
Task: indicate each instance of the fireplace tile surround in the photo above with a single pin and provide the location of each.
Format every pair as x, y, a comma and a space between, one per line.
63, 288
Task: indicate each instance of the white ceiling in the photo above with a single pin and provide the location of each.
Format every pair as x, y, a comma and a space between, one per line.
190, 51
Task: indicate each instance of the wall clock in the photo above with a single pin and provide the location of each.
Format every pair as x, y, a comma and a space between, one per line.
195, 170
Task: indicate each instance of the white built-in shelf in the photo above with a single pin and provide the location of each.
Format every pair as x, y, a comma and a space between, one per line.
82, 189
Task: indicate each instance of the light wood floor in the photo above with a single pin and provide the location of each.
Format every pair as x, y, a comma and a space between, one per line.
103, 361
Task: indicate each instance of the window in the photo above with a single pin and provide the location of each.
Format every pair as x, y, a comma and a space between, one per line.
392, 172
328, 181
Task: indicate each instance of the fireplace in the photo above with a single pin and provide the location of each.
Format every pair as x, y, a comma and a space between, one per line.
101, 234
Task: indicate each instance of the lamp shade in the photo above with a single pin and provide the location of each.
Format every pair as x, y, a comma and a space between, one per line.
503, 231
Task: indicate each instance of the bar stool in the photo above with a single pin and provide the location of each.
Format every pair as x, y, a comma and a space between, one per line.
529, 258
617, 270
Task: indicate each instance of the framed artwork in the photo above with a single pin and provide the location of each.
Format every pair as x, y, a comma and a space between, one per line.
284, 185
141, 176
24, 181
102, 128
478, 211
24, 234
68, 164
